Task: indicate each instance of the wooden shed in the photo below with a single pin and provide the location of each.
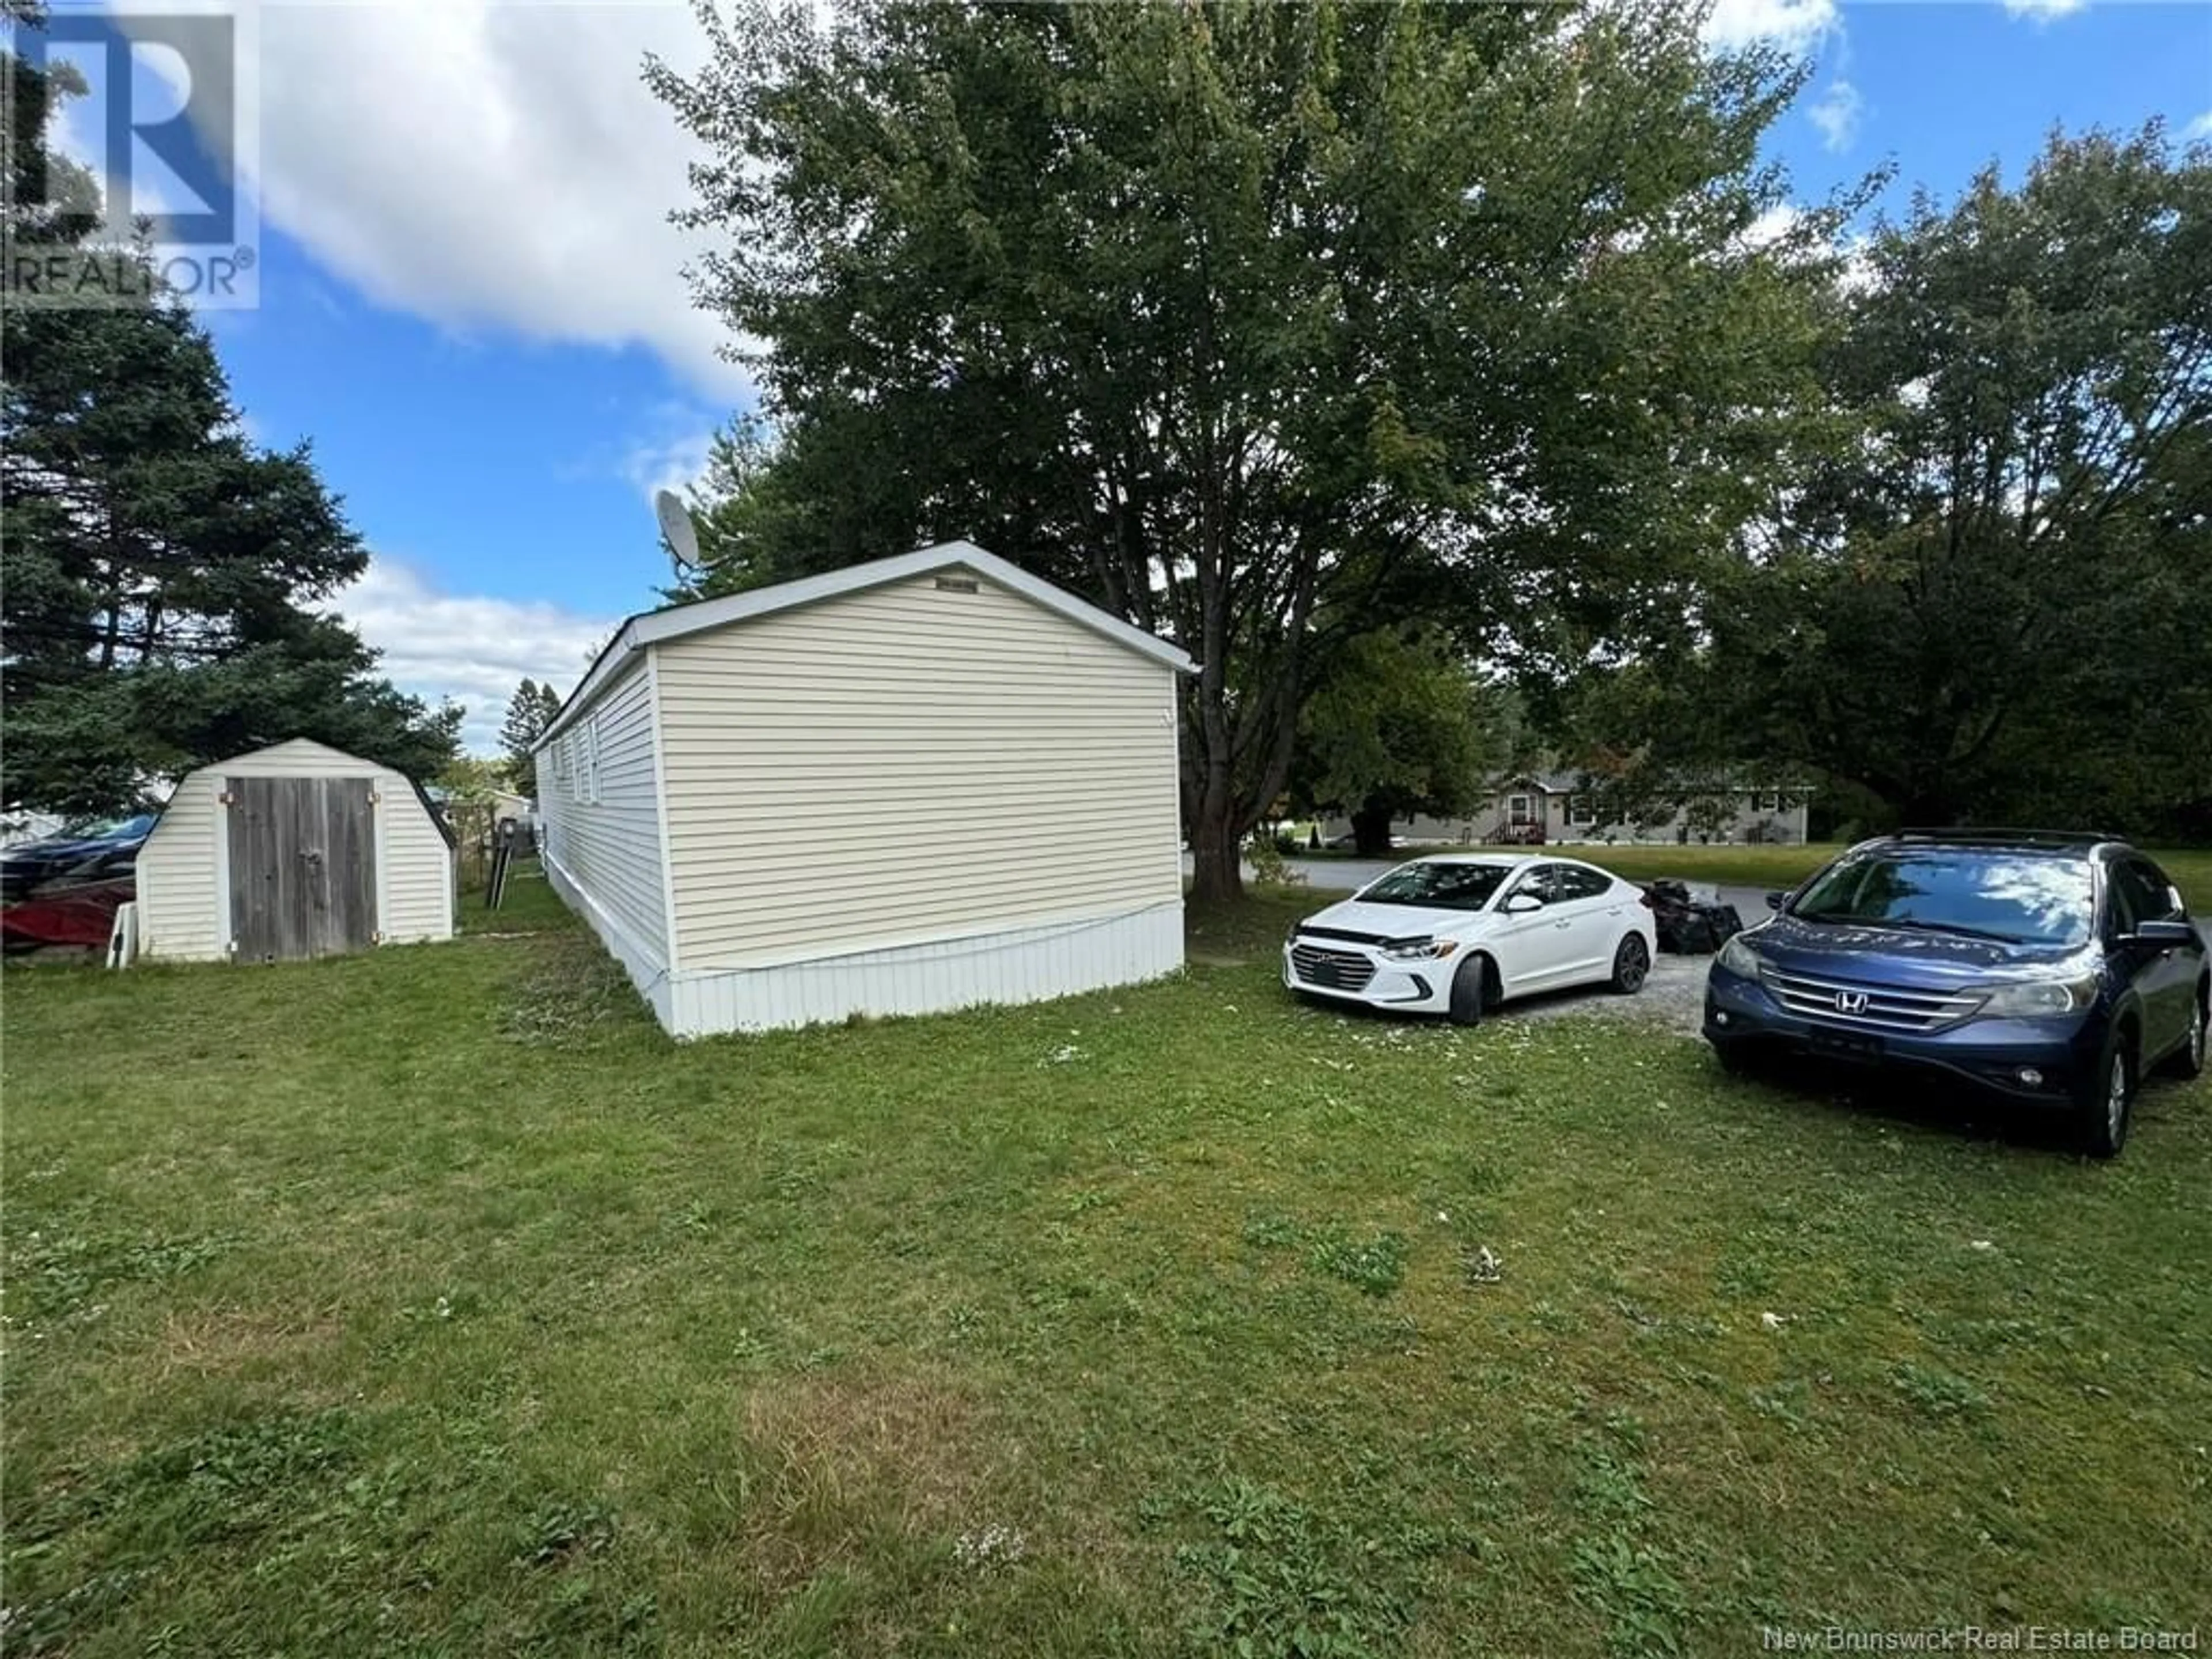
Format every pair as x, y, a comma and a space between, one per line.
919, 784
293, 851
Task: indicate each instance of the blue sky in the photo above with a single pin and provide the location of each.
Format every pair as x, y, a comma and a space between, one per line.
470, 299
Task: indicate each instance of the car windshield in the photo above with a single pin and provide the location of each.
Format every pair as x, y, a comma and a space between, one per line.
1438, 886
111, 829
2023, 898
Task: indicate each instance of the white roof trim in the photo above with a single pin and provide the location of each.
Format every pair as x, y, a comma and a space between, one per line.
678, 621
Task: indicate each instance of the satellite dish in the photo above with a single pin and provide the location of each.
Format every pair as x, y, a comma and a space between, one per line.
675, 524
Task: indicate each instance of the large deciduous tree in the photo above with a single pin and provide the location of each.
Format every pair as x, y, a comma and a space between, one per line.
163, 576
1395, 725
1993, 605
1259, 324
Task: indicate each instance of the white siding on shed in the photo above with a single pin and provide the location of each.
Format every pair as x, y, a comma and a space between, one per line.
607, 850
183, 871
183, 884
907, 764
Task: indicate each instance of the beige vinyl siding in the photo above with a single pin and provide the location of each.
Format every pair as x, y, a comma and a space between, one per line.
611, 849
420, 880
182, 873
908, 763
178, 896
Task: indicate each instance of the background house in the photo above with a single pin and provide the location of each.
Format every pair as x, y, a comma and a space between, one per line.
1551, 807
734, 797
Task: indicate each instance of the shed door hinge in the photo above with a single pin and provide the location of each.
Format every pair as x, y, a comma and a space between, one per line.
226, 798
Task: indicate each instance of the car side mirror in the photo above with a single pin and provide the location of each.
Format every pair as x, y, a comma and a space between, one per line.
1520, 904
2162, 935
1775, 901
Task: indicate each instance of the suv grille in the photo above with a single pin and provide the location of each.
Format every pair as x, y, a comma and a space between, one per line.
1868, 1007
1332, 970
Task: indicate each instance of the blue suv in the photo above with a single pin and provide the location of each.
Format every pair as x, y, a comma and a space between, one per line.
2055, 969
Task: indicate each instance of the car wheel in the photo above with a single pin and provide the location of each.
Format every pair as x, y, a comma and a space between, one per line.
1632, 965
1736, 1059
2189, 1060
2105, 1101
1470, 991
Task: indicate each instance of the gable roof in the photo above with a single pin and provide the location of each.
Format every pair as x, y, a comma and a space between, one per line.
680, 621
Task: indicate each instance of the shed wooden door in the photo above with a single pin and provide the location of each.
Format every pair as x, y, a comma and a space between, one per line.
302, 866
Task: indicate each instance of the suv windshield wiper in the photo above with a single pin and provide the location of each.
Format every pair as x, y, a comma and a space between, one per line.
1914, 924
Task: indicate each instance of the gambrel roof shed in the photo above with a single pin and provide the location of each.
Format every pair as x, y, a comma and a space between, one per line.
292, 851
919, 783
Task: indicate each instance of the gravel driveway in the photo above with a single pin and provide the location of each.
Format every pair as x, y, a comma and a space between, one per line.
1674, 997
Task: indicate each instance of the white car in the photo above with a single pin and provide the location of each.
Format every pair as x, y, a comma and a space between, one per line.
1460, 932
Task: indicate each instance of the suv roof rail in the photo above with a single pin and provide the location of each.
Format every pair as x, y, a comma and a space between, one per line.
2013, 837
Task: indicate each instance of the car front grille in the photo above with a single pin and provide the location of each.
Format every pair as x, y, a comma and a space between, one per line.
1332, 970
1868, 1007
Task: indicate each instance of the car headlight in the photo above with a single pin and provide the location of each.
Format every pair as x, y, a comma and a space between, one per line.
1420, 949
1739, 958
2038, 999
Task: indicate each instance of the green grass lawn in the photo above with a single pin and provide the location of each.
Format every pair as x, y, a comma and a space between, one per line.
1784, 866
432, 1302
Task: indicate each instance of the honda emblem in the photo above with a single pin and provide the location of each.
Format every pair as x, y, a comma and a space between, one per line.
1850, 1002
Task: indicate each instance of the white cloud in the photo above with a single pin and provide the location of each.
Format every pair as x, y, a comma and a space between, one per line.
1859, 275
1836, 112
470, 647
1795, 26
491, 166
673, 462
2200, 128
2043, 10
1770, 227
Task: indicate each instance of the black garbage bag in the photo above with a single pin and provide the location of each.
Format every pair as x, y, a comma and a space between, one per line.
1685, 926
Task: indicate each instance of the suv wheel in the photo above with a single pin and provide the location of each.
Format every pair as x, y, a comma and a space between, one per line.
2106, 1098
2189, 1060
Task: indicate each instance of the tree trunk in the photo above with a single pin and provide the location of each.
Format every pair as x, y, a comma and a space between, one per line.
1217, 862
1370, 832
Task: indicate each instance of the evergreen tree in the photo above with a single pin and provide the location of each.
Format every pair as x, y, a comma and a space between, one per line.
163, 579
529, 712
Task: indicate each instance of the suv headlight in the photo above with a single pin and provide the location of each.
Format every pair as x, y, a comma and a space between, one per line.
1420, 949
1740, 958
2038, 999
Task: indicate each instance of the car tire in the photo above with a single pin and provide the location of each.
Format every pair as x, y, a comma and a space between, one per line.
1632, 965
2187, 1059
1736, 1059
1470, 991
2104, 1102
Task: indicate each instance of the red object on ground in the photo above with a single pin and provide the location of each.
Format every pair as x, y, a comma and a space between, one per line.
67, 916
